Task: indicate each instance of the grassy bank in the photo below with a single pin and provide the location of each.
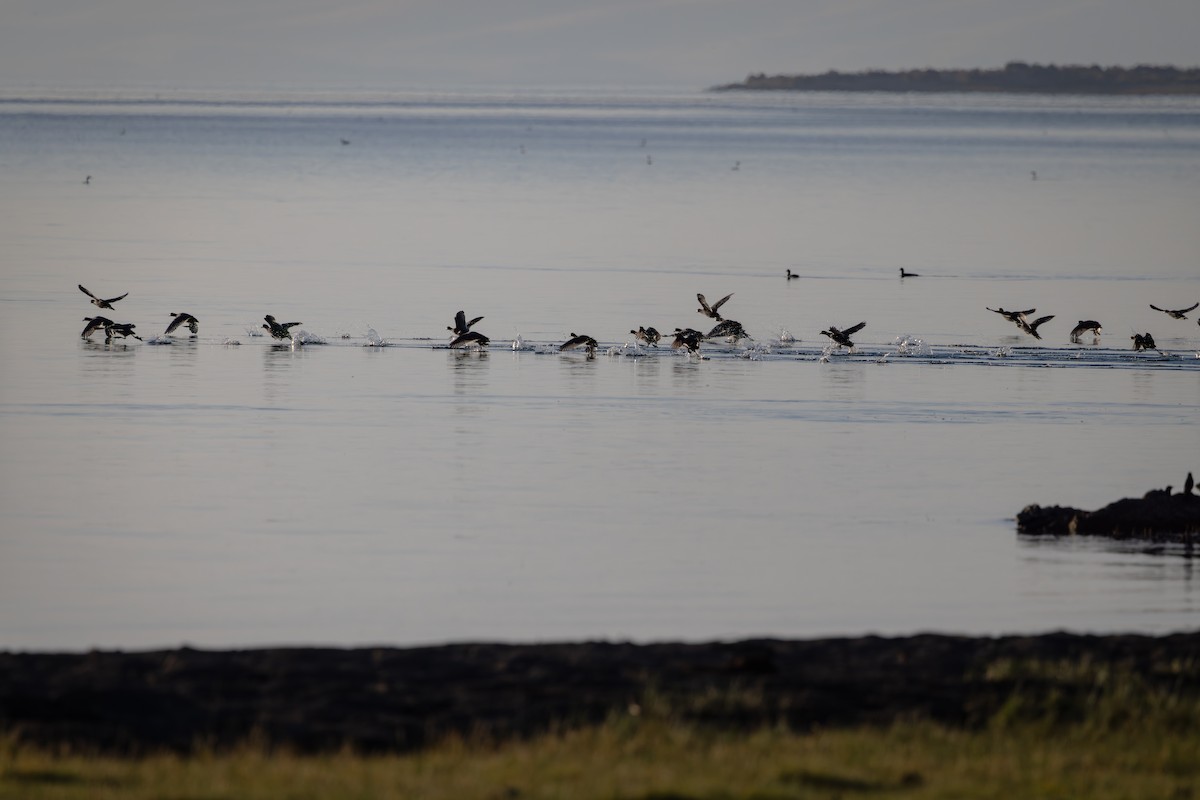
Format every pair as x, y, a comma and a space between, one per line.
657, 760
1121, 739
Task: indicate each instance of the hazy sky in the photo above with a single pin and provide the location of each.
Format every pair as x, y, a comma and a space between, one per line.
415, 43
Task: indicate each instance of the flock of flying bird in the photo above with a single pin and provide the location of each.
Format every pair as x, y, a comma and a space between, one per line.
688, 339
1141, 341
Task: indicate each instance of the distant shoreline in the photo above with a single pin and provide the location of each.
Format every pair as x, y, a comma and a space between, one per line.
1016, 77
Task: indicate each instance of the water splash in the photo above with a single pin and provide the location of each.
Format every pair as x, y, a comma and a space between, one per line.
756, 352
908, 345
164, 339
629, 350
231, 343
374, 339
518, 343
304, 337
785, 337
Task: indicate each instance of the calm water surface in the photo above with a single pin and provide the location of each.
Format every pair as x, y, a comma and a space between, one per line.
226, 490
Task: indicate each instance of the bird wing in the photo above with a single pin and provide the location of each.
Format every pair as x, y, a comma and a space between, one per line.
721, 302
855, 329
1156, 308
471, 324
1189, 308
95, 323
85, 291
468, 337
1040, 320
460, 322
700, 297
269, 319
1027, 311
176, 322
115, 299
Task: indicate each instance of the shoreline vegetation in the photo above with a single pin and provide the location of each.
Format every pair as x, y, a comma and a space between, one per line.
919, 716
1014, 77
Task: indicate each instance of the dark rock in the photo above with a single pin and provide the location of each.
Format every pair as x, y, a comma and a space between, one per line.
1035, 520
1158, 516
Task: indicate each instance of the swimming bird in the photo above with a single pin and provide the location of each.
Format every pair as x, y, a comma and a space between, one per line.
711, 311
906, 274
1180, 313
468, 338
687, 338
1143, 341
579, 340
728, 329
99, 303
791, 275
94, 324
842, 338
648, 335
191, 322
461, 325
122, 329
1084, 326
279, 329
1031, 327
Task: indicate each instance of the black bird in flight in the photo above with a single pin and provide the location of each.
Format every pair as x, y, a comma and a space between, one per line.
191, 322
279, 329
98, 302
1179, 313
842, 338
711, 311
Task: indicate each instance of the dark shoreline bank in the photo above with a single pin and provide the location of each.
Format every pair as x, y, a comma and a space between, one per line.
1015, 77
394, 700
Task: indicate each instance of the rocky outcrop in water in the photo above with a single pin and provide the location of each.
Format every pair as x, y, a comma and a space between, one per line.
1158, 516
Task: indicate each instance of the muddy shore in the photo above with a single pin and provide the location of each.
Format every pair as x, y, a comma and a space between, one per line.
385, 699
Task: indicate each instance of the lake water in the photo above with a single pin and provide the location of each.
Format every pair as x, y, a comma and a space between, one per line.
227, 490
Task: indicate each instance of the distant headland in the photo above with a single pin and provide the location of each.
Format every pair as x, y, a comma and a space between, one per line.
1015, 77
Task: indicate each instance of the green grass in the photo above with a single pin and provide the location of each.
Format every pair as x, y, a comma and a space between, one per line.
1069, 730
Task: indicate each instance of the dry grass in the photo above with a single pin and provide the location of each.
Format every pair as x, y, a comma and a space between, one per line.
1126, 740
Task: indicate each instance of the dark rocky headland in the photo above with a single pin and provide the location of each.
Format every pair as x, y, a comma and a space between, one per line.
1158, 516
1016, 77
393, 700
